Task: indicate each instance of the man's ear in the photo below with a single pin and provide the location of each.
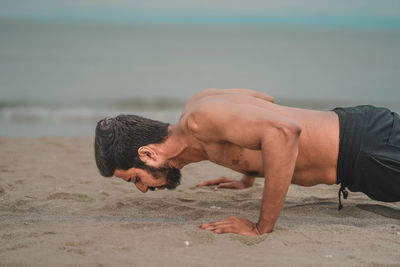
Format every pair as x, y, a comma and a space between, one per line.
147, 154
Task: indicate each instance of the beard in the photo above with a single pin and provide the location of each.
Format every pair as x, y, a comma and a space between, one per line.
171, 174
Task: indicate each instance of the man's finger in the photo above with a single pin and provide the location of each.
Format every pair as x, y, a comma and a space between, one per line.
209, 227
218, 226
224, 230
228, 220
205, 225
215, 181
212, 224
217, 223
229, 185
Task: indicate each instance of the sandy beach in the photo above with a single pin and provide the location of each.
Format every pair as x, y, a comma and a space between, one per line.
56, 210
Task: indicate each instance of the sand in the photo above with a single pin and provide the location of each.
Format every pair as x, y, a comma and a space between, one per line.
56, 210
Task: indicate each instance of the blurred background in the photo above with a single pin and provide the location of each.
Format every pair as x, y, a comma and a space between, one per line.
64, 64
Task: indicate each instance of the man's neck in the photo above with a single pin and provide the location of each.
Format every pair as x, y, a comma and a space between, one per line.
181, 150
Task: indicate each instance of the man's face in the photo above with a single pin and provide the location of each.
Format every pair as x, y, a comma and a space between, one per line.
151, 177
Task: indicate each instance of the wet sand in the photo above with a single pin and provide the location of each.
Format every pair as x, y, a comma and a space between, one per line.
56, 210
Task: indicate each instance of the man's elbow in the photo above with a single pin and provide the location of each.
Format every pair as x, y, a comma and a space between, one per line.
287, 134
295, 129
291, 131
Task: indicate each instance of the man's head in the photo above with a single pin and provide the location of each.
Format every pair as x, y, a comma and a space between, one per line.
125, 146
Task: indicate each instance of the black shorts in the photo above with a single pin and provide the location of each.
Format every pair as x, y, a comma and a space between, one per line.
369, 152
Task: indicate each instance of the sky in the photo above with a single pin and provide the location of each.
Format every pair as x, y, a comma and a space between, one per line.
342, 13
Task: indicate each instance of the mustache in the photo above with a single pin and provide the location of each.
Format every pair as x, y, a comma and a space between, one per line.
172, 175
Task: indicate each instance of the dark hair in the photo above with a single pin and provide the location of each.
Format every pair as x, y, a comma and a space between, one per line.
118, 140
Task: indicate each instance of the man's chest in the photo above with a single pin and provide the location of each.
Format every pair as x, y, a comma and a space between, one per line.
235, 157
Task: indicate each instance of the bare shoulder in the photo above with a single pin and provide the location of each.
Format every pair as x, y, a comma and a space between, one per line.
212, 115
232, 91
214, 111
205, 113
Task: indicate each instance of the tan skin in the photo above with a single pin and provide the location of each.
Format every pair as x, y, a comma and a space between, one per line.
246, 131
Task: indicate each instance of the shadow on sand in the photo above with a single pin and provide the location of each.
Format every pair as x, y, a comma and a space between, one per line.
381, 210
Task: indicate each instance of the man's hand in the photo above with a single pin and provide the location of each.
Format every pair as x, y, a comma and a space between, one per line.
234, 225
225, 182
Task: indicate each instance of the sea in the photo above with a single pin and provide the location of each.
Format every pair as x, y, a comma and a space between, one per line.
59, 78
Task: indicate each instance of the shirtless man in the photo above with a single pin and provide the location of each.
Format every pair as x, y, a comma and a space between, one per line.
246, 131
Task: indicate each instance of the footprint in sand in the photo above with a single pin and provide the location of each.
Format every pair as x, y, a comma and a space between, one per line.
205, 204
154, 204
76, 246
47, 176
7, 170
70, 196
183, 208
14, 247
80, 243
73, 250
186, 200
248, 240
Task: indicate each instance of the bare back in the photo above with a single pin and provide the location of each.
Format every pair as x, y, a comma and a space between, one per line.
318, 143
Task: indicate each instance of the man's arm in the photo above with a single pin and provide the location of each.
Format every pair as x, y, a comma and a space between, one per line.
259, 129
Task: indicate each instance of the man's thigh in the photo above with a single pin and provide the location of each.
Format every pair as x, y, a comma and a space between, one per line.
379, 157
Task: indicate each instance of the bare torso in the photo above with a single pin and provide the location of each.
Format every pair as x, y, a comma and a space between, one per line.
318, 144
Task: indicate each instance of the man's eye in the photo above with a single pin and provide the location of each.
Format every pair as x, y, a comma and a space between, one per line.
137, 179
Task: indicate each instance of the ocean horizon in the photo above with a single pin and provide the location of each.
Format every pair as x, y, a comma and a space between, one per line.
59, 78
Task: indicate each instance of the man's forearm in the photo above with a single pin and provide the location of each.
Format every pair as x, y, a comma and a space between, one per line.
272, 203
279, 166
